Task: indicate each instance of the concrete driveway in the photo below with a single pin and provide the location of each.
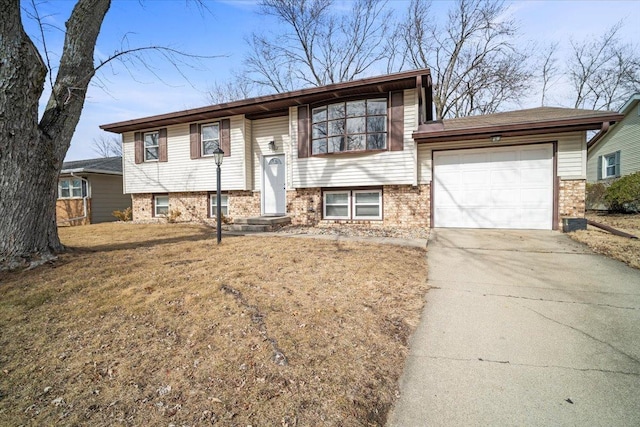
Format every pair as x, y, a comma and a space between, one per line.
523, 328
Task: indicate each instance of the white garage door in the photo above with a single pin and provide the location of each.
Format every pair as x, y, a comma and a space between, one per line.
510, 187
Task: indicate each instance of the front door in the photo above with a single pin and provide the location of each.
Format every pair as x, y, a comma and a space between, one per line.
274, 199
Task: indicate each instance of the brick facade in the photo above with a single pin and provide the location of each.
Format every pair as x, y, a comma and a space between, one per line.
304, 205
571, 199
403, 206
68, 209
407, 206
194, 206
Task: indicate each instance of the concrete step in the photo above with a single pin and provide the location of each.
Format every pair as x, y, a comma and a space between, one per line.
247, 227
264, 220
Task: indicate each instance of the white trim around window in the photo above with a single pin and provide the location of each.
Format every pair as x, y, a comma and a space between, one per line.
71, 188
152, 146
209, 138
161, 205
213, 204
367, 204
352, 204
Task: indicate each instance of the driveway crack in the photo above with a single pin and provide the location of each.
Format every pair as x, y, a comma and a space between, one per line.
617, 350
530, 365
563, 301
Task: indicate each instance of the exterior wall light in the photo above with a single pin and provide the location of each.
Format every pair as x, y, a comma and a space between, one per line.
272, 145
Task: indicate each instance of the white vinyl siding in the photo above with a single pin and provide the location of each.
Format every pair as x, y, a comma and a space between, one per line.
180, 173
571, 157
623, 137
359, 169
263, 131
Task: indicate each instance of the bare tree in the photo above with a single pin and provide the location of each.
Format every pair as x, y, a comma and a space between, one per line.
474, 63
550, 69
603, 71
237, 88
32, 149
107, 146
317, 46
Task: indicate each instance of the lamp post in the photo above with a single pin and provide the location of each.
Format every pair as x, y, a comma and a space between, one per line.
218, 155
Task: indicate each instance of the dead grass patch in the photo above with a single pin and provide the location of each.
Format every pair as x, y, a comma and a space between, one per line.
620, 248
156, 324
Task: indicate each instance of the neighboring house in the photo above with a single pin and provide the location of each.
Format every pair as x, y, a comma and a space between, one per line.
363, 152
615, 151
90, 190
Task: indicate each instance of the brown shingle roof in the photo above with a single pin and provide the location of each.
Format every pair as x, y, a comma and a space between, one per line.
271, 105
515, 123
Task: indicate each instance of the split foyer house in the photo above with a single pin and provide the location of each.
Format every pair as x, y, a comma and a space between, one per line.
90, 190
366, 152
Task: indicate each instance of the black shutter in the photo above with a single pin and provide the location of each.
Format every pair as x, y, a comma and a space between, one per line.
617, 171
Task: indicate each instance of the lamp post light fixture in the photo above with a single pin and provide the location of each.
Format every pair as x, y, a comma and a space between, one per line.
218, 155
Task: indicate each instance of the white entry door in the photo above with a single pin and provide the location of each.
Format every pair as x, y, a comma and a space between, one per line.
274, 187
508, 187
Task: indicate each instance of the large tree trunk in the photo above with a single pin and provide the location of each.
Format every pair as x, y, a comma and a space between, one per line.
31, 153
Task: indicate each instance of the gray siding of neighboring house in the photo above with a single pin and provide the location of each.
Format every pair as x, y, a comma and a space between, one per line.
625, 137
106, 197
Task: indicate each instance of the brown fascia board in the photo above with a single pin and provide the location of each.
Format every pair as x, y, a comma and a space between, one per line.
517, 129
271, 105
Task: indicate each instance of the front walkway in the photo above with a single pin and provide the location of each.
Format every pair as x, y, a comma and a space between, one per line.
523, 328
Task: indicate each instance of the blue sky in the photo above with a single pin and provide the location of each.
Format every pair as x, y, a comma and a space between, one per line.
122, 93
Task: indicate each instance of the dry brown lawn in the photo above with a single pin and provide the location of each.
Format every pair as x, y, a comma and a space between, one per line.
157, 325
620, 248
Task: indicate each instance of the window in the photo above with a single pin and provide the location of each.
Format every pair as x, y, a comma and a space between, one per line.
366, 204
349, 126
161, 205
609, 166
151, 146
224, 204
354, 204
210, 138
69, 188
336, 205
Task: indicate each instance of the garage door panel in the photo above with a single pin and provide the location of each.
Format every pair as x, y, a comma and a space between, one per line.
506, 187
505, 197
476, 178
503, 157
535, 155
476, 197
535, 177
534, 197
505, 178
453, 179
474, 160
450, 216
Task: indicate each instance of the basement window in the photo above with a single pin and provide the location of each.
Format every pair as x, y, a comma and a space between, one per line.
160, 205
353, 204
224, 205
